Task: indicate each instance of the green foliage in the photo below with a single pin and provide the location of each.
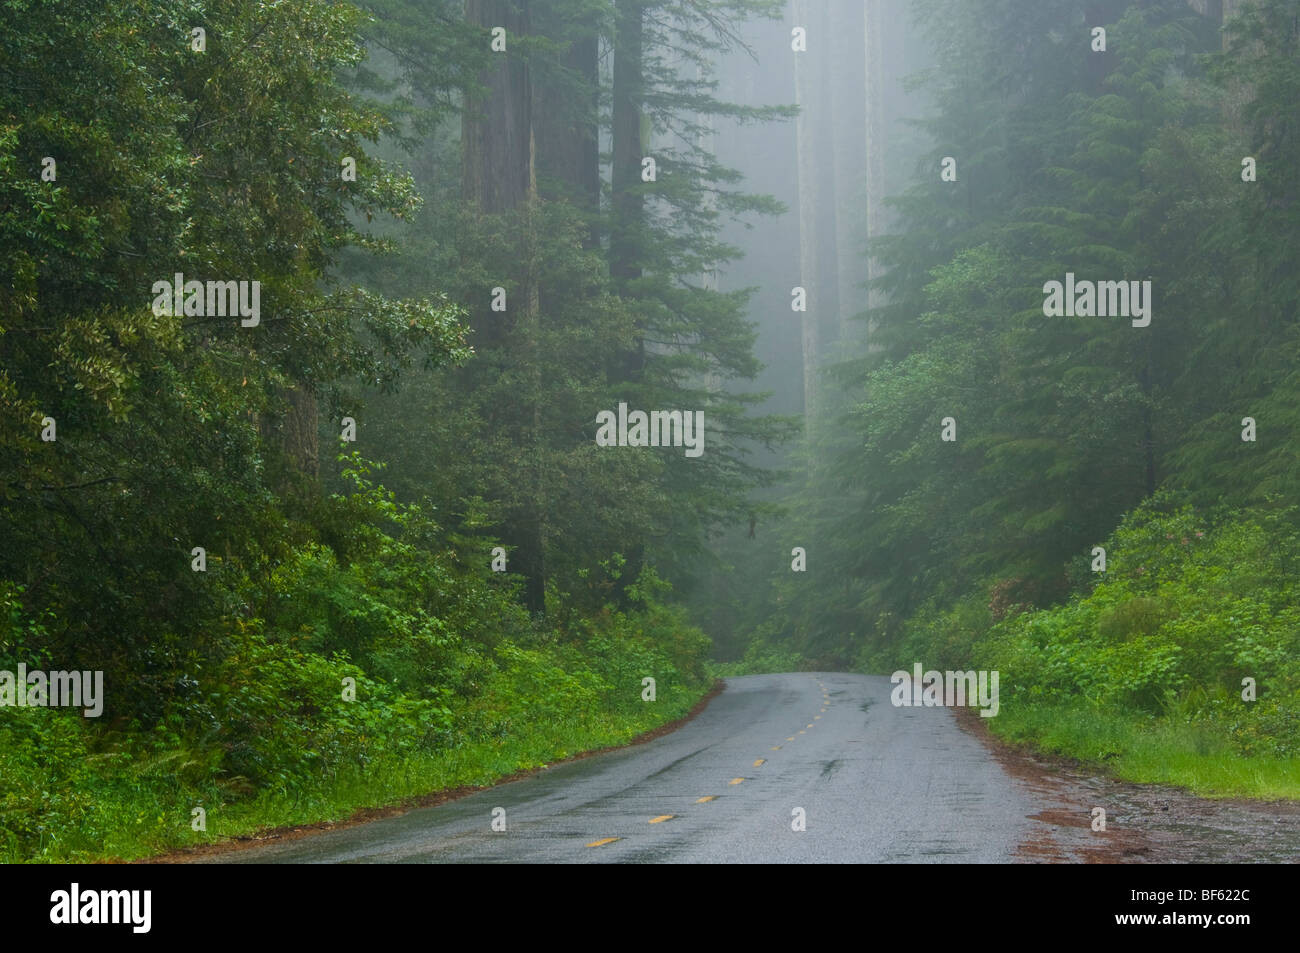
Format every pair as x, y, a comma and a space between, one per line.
1073, 432
607, 300
1189, 606
219, 165
1144, 671
446, 667
226, 686
762, 659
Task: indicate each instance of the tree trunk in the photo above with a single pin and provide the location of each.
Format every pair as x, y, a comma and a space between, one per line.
848, 129
499, 175
496, 127
565, 113
629, 206
626, 231
876, 126
296, 432
806, 90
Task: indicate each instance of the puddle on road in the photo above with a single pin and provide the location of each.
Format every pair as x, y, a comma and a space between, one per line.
1144, 823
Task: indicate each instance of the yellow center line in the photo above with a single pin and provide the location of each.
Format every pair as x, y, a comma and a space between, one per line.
705, 799
661, 818
776, 747
803, 732
735, 780
791, 738
817, 717
810, 726
602, 842
759, 762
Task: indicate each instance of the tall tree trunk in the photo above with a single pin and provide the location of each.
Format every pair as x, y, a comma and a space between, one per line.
565, 115
848, 129
567, 163
806, 90
499, 175
628, 205
1148, 426
296, 431
625, 250
533, 530
496, 127
876, 126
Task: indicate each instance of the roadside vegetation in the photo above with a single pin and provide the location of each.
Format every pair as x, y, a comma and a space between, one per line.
357, 542
976, 447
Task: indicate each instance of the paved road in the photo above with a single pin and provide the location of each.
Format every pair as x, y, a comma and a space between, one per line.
876, 784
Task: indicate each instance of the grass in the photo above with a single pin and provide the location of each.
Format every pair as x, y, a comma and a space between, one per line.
136, 811
1150, 750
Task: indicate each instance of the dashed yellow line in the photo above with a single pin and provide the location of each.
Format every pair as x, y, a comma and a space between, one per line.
759, 761
817, 717
705, 799
661, 818
791, 738
803, 732
603, 841
810, 726
776, 747
735, 780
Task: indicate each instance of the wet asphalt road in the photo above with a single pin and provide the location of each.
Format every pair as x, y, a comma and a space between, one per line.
876, 784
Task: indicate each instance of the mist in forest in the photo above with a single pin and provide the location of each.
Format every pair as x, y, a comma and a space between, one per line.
396, 394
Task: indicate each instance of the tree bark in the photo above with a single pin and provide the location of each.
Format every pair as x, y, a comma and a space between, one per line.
848, 129
496, 126
625, 248
876, 125
565, 111
499, 175
806, 89
628, 205
296, 431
